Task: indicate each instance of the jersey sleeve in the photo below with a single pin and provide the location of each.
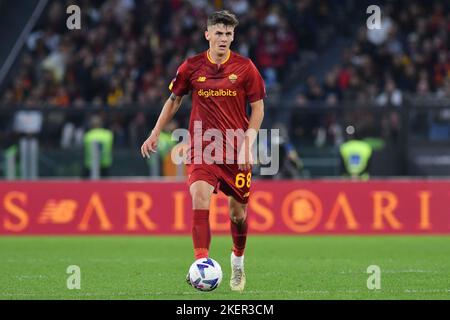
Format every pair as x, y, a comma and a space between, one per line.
254, 86
180, 85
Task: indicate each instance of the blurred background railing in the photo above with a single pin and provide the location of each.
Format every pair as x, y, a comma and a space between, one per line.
410, 140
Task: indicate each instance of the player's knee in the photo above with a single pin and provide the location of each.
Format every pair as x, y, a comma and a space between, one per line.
238, 214
238, 220
200, 200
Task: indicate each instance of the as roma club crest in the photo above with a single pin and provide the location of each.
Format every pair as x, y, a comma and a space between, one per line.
232, 77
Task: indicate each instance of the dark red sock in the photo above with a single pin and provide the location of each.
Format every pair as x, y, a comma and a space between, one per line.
239, 234
201, 233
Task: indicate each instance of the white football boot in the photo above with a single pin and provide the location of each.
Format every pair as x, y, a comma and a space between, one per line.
237, 281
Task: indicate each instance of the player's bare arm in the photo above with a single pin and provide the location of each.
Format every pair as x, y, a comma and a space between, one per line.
169, 109
245, 157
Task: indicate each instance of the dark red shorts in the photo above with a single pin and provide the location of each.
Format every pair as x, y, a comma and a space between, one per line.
224, 177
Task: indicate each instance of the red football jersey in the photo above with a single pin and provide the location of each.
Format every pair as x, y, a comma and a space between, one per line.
220, 93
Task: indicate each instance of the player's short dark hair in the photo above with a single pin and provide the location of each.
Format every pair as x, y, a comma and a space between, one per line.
222, 17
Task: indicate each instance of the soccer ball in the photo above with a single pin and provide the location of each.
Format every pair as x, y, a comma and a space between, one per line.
205, 274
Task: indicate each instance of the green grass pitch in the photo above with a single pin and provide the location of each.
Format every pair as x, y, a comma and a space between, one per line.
277, 267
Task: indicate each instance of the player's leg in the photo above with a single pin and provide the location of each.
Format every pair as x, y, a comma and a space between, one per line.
239, 227
236, 184
201, 192
202, 183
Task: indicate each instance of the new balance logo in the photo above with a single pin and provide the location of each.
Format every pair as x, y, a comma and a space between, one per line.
58, 212
201, 79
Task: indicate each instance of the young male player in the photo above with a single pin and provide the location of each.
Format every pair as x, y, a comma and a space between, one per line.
222, 83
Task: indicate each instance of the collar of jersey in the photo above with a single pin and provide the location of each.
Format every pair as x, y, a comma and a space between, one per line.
211, 60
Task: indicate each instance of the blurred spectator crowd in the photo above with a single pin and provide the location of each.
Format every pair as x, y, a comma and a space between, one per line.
409, 54
408, 57
128, 50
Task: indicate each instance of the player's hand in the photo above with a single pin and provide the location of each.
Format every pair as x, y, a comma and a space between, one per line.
149, 146
245, 158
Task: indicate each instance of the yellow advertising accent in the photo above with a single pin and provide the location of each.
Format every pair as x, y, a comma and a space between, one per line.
15, 211
135, 212
178, 222
95, 205
255, 204
424, 197
301, 211
342, 204
383, 211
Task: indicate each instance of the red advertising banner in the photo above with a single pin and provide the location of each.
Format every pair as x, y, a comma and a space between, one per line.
275, 207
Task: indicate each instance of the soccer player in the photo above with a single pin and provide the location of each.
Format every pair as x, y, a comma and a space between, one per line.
222, 83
